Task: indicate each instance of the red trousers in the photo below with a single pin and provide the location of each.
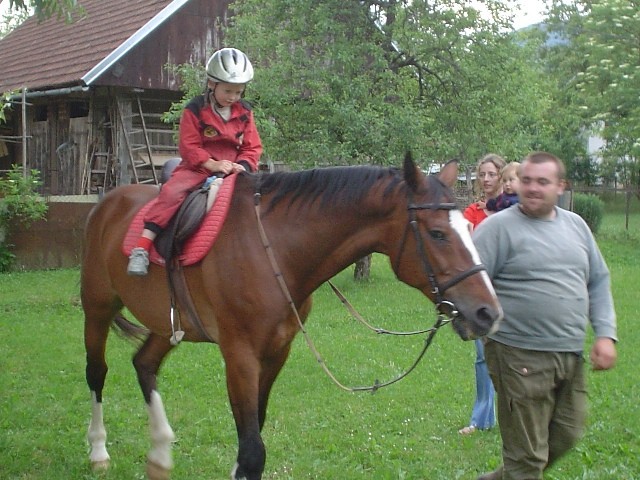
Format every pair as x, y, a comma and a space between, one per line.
172, 194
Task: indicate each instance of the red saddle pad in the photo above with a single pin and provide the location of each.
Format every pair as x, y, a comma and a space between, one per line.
196, 247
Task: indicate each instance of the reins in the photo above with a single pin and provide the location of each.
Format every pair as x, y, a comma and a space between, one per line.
381, 331
442, 319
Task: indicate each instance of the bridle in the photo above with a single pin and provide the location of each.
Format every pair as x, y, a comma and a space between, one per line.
437, 289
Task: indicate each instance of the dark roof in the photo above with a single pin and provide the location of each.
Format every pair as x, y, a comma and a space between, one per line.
58, 54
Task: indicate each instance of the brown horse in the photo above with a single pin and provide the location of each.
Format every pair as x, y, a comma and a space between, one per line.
316, 223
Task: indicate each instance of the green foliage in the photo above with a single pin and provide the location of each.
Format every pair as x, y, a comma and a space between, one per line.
599, 73
18, 202
7, 258
590, 208
582, 170
434, 77
192, 80
61, 9
18, 197
323, 96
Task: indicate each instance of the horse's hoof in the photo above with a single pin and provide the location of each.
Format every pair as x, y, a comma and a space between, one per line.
233, 473
156, 472
100, 466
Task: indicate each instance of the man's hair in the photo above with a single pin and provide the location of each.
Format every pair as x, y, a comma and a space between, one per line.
542, 157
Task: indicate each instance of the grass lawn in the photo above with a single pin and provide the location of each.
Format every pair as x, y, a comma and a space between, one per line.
314, 430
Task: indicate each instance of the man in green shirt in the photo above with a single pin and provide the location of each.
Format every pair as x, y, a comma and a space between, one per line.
552, 281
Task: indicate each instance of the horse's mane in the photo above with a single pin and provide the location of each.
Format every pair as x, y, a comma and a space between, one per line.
331, 185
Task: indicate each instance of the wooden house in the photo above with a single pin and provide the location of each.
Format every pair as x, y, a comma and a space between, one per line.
87, 96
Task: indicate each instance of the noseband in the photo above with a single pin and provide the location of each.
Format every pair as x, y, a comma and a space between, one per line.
437, 289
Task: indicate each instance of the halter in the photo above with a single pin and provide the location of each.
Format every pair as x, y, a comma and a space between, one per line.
437, 289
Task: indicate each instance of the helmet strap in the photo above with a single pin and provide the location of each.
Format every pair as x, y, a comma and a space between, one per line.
211, 96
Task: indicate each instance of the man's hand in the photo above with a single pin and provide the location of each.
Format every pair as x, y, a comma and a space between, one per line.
603, 354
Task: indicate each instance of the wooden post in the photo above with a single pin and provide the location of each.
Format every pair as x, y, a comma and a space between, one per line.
627, 208
362, 268
24, 132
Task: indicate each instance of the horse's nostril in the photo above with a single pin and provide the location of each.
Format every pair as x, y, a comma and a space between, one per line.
486, 319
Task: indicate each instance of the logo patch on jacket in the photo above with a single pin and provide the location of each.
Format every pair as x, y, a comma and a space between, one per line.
210, 132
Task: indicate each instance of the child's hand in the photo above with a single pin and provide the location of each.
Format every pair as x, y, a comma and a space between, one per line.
482, 205
219, 166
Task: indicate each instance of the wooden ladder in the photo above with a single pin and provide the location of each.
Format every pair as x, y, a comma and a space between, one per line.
145, 147
100, 172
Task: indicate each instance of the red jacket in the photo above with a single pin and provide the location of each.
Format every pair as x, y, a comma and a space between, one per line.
204, 134
474, 214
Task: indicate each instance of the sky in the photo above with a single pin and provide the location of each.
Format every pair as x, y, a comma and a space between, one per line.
4, 6
531, 11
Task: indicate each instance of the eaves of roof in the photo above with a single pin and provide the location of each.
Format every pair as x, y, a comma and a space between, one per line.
53, 54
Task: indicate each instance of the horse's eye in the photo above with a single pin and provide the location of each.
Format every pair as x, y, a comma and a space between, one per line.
437, 235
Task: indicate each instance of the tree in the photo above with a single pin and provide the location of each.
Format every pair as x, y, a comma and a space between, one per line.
47, 8
603, 75
361, 81
11, 20
325, 95
480, 84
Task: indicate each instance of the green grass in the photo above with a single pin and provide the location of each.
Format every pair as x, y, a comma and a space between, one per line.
314, 430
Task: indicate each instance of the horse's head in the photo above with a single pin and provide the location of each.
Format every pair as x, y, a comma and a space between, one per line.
436, 255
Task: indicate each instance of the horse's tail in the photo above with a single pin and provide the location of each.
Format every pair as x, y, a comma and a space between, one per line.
135, 333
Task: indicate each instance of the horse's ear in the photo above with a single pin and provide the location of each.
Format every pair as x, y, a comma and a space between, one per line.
449, 173
411, 172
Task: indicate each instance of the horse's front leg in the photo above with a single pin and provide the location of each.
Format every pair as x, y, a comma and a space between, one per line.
147, 363
249, 382
243, 379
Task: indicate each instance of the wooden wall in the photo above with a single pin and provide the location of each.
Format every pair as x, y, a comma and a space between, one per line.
58, 146
71, 137
52, 243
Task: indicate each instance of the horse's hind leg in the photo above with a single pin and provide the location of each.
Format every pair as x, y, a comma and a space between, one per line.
147, 363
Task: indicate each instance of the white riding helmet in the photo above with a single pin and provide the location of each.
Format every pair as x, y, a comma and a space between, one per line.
229, 65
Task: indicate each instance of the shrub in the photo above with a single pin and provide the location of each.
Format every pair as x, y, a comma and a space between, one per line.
590, 208
20, 202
